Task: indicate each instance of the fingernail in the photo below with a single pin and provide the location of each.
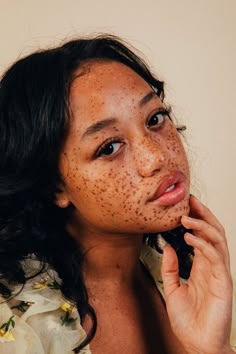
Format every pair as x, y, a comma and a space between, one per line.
193, 196
188, 218
189, 234
185, 217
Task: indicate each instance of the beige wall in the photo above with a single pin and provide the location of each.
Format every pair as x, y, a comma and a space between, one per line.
191, 44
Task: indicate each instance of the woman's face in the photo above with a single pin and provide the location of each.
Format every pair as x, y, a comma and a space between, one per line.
121, 155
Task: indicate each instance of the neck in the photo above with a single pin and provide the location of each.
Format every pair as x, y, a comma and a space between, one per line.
116, 259
110, 260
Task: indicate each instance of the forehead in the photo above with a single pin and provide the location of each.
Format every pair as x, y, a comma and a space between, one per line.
105, 90
98, 83
106, 73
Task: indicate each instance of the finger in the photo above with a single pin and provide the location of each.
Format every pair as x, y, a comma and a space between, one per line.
209, 233
215, 258
170, 271
200, 211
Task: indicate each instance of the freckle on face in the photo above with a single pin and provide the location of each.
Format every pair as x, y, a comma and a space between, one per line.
112, 195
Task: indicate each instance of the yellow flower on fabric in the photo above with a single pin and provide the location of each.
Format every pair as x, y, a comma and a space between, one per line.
67, 319
40, 286
6, 336
67, 307
45, 283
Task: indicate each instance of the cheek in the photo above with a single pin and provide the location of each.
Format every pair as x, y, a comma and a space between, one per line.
114, 195
178, 157
98, 188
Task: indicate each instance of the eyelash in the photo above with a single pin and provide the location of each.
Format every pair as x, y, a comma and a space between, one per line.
100, 151
164, 112
103, 147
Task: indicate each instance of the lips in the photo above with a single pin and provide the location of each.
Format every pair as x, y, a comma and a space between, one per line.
171, 190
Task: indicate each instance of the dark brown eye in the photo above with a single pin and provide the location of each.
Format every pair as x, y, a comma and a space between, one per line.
109, 148
156, 119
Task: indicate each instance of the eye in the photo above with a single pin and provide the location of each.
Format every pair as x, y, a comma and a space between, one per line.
157, 119
109, 148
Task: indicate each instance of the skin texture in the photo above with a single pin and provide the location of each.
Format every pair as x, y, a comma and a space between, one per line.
205, 302
118, 186
110, 196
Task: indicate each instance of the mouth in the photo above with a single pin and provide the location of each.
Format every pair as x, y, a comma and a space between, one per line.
171, 190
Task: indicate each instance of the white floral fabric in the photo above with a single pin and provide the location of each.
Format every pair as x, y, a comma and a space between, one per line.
40, 321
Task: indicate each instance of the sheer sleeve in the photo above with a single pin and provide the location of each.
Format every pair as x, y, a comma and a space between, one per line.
40, 321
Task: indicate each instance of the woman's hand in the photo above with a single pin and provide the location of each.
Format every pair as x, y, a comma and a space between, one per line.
200, 311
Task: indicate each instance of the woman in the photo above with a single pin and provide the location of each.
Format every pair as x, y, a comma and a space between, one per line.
94, 181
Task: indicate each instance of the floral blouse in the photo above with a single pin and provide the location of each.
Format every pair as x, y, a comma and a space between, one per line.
40, 321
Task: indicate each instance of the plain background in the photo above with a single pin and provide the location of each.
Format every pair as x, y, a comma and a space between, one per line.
190, 44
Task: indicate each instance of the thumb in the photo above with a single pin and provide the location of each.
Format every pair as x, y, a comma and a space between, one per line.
170, 271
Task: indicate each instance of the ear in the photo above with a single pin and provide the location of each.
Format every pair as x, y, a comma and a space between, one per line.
61, 199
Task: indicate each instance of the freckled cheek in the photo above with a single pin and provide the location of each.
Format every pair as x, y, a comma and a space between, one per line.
97, 187
177, 152
174, 144
116, 190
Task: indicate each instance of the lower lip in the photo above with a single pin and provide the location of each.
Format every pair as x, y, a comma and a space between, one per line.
173, 197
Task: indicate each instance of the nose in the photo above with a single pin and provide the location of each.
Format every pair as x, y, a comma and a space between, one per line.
150, 157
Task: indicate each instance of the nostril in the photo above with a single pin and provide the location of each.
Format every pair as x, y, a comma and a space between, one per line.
157, 170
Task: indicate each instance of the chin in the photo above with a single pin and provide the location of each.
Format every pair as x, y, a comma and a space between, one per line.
172, 217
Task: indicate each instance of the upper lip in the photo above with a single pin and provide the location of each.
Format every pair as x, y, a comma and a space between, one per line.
166, 182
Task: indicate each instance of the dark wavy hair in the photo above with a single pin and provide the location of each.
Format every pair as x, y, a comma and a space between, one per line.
34, 117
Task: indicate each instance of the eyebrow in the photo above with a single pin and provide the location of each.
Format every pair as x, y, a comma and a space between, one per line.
97, 127
147, 98
102, 124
